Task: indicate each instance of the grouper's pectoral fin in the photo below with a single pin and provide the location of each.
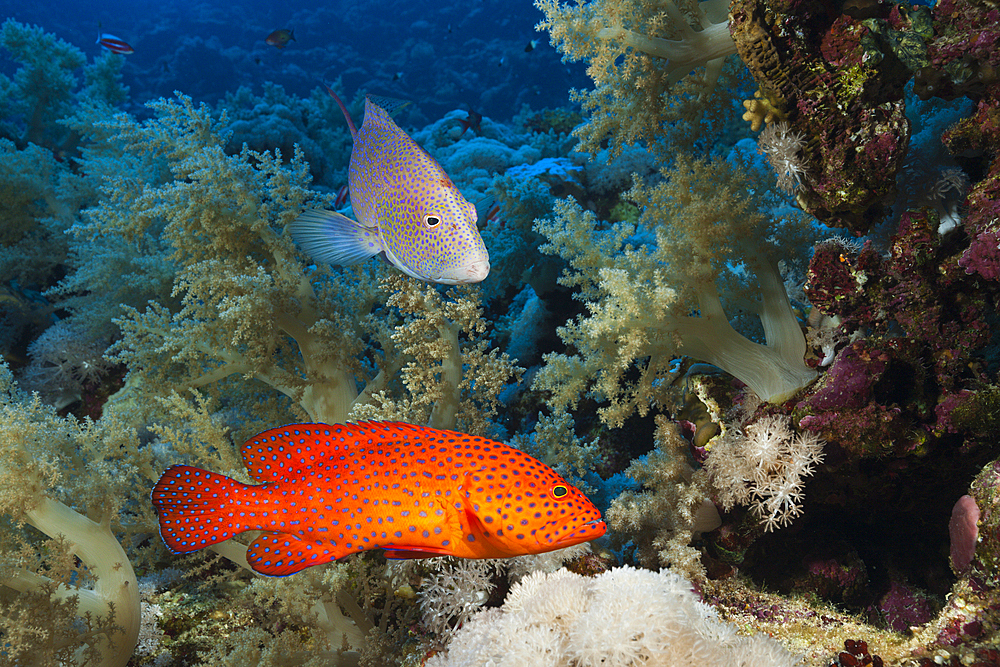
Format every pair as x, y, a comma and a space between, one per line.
281, 554
402, 552
458, 529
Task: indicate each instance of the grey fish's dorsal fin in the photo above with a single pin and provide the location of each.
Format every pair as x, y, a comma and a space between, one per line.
390, 105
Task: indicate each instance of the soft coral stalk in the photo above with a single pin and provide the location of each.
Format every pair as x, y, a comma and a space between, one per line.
77, 598
774, 370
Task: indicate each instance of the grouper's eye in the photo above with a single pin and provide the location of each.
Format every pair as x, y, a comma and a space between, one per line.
559, 491
431, 221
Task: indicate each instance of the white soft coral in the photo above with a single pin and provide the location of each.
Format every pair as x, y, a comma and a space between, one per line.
452, 594
763, 465
620, 618
63, 361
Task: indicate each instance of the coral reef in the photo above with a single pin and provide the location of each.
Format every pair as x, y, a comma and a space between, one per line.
45, 88
278, 121
450, 597
639, 297
844, 98
901, 326
638, 52
797, 431
242, 303
60, 546
916, 314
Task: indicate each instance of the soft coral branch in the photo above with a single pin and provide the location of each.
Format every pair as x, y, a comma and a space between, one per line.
774, 370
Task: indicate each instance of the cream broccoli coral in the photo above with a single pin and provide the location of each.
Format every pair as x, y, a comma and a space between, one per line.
652, 303
638, 53
248, 304
622, 617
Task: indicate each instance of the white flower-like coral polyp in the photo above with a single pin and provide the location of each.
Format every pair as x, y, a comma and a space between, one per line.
764, 465
782, 146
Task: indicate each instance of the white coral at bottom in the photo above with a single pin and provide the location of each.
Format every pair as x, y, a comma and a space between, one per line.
625, 617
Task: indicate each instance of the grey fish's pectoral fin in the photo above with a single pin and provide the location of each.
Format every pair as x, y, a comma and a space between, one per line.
328, 236
483, 207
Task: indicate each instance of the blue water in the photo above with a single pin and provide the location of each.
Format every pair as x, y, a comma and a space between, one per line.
441, 55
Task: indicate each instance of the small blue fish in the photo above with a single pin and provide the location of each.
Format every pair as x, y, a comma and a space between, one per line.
406, 207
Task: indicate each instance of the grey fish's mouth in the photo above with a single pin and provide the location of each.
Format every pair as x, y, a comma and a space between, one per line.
474, 272
477, 271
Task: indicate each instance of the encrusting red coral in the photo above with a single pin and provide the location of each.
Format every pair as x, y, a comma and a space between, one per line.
855, 654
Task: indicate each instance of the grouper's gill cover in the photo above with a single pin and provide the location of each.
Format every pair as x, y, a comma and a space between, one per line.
406, 207
325, 491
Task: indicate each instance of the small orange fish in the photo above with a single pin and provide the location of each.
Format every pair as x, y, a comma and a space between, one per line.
341, 196
114, 44
325, 491
279, 38
472, 121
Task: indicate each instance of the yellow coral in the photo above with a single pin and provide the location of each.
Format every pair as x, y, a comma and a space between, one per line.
452, 378
74, 593
662, 518
760, 110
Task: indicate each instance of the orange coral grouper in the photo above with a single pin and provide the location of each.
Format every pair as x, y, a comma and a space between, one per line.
326, 491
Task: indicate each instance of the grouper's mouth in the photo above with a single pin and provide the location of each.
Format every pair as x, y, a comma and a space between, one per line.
591, 530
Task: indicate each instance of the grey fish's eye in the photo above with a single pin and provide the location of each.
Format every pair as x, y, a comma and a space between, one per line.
432, 221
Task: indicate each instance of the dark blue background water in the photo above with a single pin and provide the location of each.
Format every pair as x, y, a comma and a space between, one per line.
442, 55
